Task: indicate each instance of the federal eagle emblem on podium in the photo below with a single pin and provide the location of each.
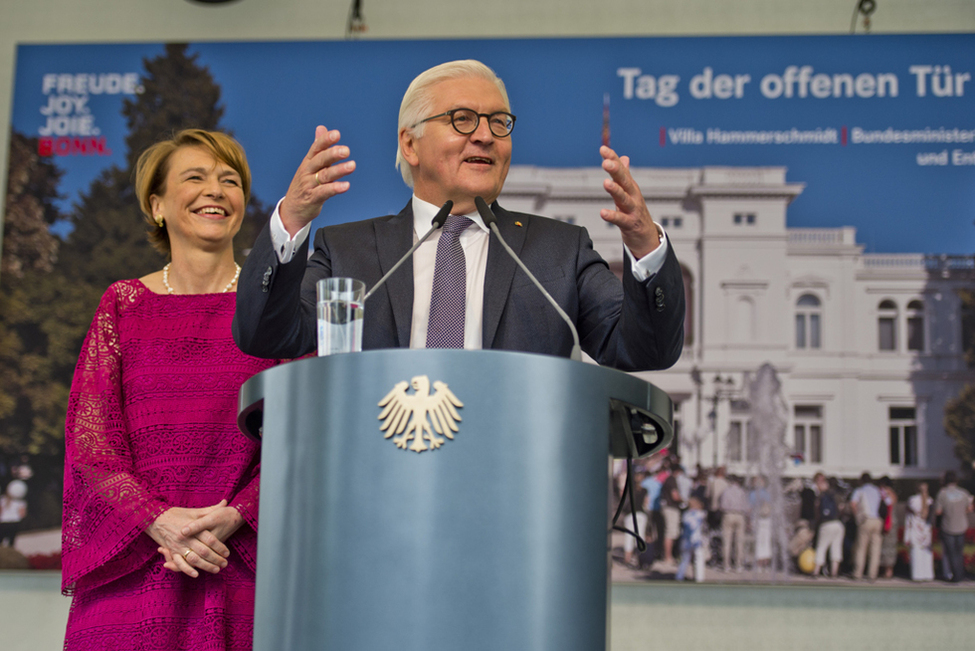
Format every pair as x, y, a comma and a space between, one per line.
419, 417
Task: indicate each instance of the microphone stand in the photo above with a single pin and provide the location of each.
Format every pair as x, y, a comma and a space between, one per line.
438, 222
492, 223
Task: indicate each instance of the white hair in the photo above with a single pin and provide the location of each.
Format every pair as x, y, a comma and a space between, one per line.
418, 100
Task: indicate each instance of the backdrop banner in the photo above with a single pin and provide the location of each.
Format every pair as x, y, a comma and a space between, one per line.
879, 129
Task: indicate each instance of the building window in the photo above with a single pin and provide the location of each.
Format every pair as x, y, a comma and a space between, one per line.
568, 219
743, 328
808, 322
744, 218
688, 305
752, 444
808, 432
678, 222
915, 326
741, 444
677, 428
887, 325
734, 441
665, 221
903, 436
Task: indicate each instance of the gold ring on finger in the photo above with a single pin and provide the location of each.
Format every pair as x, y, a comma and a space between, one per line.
317, 180
186, 553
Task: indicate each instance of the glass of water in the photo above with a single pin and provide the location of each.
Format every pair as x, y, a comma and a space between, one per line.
340, 315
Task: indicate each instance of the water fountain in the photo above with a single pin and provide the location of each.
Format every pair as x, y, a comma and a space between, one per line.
769, 419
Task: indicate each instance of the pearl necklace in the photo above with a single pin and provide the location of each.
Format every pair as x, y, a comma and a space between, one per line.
170, 290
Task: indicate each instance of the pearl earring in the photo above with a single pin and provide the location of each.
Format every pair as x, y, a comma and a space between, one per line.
159, 221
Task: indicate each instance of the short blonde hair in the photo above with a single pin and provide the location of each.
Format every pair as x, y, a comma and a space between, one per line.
153, 166
419, 99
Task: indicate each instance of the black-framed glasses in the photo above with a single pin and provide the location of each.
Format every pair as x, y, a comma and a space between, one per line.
466, 121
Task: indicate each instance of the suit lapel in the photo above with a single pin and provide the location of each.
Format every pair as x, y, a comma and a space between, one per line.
500, 271
393, 238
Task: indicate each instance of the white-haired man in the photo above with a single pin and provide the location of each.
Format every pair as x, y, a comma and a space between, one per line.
454, 144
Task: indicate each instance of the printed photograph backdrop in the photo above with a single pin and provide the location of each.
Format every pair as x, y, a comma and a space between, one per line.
879, 128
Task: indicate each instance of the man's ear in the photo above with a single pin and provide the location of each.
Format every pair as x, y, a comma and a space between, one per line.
407, 145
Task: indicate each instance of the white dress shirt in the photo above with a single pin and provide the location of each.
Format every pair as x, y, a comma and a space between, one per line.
475, 241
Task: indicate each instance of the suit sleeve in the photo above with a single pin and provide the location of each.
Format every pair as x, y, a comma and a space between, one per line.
275, 315
643, 329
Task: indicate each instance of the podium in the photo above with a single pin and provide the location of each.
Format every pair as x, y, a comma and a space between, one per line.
495, 539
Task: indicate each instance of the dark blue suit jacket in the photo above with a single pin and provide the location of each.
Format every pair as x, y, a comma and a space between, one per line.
630, 325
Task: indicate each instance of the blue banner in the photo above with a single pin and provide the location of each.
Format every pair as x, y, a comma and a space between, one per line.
879, 128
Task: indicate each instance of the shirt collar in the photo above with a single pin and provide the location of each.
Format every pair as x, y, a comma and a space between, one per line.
424, 212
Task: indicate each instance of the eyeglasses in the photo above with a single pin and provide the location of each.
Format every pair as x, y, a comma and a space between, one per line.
466, 121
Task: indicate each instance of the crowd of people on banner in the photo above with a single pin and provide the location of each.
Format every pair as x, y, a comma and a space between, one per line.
863, 529
14, 475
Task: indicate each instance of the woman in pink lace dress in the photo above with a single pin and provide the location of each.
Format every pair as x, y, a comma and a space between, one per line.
161, 490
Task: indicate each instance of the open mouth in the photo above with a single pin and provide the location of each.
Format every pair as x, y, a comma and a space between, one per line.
211, 210
479, 160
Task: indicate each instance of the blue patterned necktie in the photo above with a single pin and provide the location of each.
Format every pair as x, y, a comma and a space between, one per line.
448, 302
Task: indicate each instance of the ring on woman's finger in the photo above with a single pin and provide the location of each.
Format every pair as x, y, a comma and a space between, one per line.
317, 180
186, 554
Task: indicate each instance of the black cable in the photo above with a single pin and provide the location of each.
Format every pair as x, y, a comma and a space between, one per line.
628, 492
355, 21
865, 7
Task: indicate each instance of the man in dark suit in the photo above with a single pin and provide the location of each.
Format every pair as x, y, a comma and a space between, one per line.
454, 144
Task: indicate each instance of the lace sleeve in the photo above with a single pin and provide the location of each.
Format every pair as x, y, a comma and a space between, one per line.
244, 540
246, 500
106, 507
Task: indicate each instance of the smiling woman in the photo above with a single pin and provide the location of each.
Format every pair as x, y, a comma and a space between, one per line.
193, 190
161, 490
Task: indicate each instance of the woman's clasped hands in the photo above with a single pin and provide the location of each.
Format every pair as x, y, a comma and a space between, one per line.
193, 539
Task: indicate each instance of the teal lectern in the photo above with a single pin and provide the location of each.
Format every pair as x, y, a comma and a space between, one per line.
440, 500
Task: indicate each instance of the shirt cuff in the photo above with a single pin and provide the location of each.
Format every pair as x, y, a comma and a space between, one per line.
284, 244
649, 264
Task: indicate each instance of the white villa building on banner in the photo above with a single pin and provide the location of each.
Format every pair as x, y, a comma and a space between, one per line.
868, 347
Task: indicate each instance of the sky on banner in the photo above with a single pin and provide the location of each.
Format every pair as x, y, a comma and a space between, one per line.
881, 129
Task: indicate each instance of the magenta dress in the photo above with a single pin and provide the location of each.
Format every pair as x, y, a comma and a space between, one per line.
151, 424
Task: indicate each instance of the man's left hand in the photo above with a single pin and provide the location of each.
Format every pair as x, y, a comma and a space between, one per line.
631, 215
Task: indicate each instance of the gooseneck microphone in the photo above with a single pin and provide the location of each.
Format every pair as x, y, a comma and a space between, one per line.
438, 222
492, 223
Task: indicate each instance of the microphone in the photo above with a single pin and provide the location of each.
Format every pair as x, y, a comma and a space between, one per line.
438, 222
492, 223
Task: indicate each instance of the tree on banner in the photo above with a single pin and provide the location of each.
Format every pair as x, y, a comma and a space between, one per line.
33, 361
32, 188
178, 93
